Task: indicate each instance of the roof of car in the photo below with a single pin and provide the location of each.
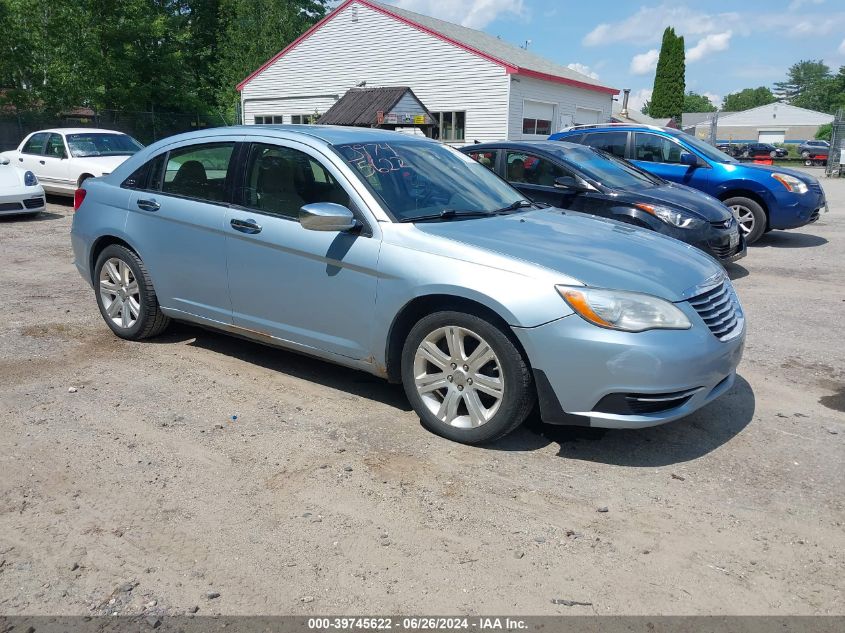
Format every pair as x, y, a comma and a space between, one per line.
610, 127
545, 146
332, 134
80, 130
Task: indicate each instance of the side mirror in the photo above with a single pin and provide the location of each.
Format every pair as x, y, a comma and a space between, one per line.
4, 160
571, 183
688, 158
327, 216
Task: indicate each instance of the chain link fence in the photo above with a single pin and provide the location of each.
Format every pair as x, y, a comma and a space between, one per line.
146, 127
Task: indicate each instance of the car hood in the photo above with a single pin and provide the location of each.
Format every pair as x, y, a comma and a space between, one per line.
10, 176
599, 253
676, 195
100, 164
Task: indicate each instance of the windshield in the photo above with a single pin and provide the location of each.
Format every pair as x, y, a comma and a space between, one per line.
608, 170
415, 179
102, 144
705, 148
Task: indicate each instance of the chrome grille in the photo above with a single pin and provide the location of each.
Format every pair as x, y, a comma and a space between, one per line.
719, 309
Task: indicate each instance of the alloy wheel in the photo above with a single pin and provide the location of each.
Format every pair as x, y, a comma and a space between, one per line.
120, 293
458, 377
744, 217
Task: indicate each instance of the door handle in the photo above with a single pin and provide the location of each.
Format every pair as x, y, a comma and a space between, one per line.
250, 227
20, 159
41, 161
148, 205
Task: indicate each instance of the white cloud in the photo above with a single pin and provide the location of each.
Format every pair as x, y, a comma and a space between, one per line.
475, 14
638, 98
715, 99
712, 43
584, 70
644, 63
647, 25
842, 47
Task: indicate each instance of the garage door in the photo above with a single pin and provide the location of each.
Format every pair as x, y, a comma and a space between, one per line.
771, 136
537, 117
586, 116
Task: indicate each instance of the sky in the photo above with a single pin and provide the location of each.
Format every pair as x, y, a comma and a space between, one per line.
730, 44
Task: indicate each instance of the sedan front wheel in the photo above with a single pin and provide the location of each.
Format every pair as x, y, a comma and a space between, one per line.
465, 378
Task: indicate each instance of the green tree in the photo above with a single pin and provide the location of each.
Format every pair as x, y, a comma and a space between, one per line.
45, 53
802, 77
667, 98
252, 31
694, 102
824, 132
747, 99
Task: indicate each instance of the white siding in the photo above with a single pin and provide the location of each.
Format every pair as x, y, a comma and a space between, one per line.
566, 99
382, 51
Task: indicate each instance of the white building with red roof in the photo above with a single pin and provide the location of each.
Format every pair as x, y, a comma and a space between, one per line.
477, 86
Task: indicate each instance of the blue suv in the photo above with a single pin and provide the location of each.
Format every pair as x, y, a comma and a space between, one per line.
761, 197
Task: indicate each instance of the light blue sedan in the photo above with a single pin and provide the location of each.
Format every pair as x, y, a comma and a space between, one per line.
402, 257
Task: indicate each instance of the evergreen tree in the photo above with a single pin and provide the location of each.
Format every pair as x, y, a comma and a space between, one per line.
667, 99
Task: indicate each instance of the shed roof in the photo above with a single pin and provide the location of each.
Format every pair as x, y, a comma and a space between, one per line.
773, 115
360, 106
515, 60
689, 119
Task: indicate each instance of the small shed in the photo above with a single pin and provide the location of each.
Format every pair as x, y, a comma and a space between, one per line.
389, 108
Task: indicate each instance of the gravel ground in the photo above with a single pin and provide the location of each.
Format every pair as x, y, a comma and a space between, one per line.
128, 485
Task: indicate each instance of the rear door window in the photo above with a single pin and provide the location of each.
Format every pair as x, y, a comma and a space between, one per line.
35, 144
198, 171
611, 142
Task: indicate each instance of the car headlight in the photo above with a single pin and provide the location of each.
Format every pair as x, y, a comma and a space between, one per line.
29, 179
793, 184
670, 216
622, 310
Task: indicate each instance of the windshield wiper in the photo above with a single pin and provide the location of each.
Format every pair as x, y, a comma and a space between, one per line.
448, 214
519, 204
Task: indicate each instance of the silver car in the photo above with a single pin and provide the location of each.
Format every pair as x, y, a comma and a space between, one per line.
404, 258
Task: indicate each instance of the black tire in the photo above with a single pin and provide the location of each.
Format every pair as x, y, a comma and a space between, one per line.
518, 394
760, 220
151, 320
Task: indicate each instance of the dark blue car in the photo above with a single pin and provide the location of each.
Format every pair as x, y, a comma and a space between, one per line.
591, 181
762, 197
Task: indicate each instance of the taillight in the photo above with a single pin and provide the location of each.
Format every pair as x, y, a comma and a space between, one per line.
78, 197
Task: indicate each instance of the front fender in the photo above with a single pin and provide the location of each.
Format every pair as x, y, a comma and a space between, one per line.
518, 299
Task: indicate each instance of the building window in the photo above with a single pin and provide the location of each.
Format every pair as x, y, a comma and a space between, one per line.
452, 125
268, 119
304, 119
542, 127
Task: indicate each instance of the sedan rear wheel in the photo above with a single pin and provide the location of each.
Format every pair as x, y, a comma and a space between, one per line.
465, 378
125, 295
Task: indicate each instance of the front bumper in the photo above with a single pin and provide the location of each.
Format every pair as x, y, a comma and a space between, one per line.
793, 210
20, 200
580, 367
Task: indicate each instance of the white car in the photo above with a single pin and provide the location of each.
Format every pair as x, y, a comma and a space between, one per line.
62, 158
19, 190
